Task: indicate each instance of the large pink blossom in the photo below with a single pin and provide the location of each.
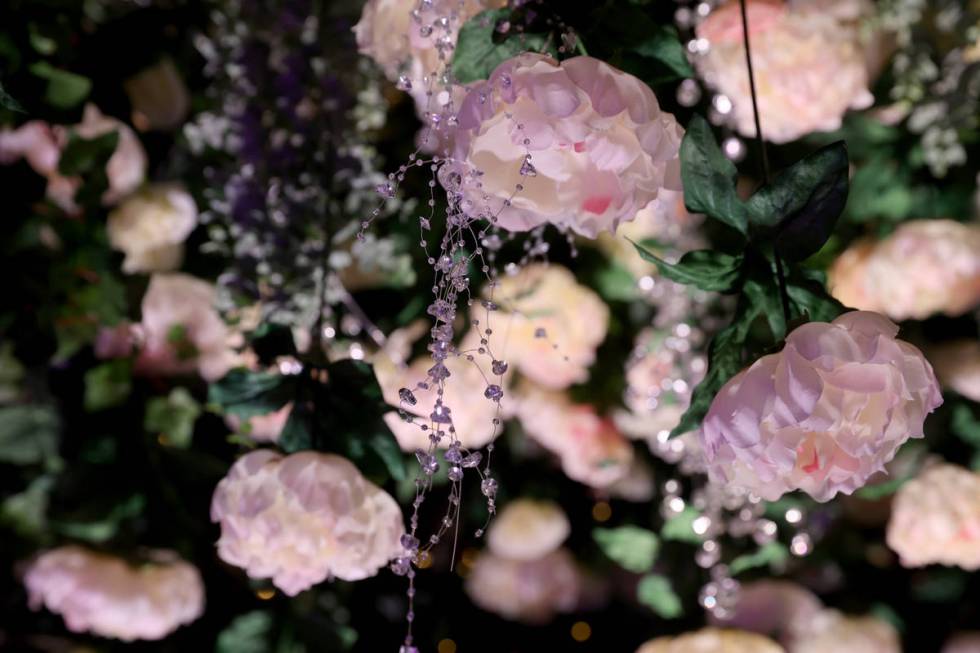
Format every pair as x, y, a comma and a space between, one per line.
591, 141
811, 59
822, 415
936, 519
106, 596
303, 518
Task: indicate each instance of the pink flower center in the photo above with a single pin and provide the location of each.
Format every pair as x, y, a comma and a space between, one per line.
580, 146
597, 205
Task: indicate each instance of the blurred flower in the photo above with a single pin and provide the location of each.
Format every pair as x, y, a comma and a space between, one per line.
577, 144
472, 413
957, 365
41, 144
936, 518
924, 267
106, 596
664, 220
551, 326
967, 642
714, 640
774, 608
262, 428
159, 97
636, 485
811, 59
591, 449
527, 529
531, 591
413, 43
831, 631
150, 226
822, 415
181, 331
302, 518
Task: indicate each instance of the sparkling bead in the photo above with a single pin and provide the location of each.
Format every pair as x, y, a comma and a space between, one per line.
410, 542
489, 487
407, 396
499, 368
404, 83
527, 168
472, 460
493, 392
400, 566
455, 473
540, 333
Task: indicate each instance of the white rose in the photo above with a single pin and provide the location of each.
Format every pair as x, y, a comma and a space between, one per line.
150, 227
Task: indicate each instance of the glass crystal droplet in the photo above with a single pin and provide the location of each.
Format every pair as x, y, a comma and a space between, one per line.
540, 333
472, 460
455, 473
453, 454
400, 566
407, 396
499, 368
493, 392
409, 542
404, 83
527, 168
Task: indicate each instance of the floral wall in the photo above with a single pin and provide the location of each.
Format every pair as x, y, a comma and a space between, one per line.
490, 325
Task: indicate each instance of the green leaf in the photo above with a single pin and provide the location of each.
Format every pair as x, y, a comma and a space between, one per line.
84, 155
940, 586
724, 362
631, 547
965, 425
64, 90
763, 295
664, 45
615, 283
386, 448
7, 101
705, 268
808, 294
773, 554
245, 394
480, 48
11, 373
26, 512
680, 527
248, 633
656, 592
709, 177
173, 416
104, 529
108, 385
296, 434
29, 434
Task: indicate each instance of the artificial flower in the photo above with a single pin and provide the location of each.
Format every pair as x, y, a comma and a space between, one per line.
714, 640
150, 227
527, 529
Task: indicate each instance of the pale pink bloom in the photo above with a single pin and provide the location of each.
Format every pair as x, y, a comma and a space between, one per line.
812, 62
936, 519
527, 529
923, 268
304, 518
712, 640
833, 632
472, 413
116, 342
966, 642
181, 305
548, 326
159, 96
106, 596
775, 608
531, 591
262, 428
636, 485
150, 227
599, 147
957, 365
822, 415
591, 449
42, 145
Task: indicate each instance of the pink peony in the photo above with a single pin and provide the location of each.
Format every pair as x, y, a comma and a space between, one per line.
304, 518
812, 62
531, 591
591, 448
957, 365
527, 529
182, 331
106, 596
923, 268
712, 640
936, 519
548, 325
587, 142
150, 227
822, 415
